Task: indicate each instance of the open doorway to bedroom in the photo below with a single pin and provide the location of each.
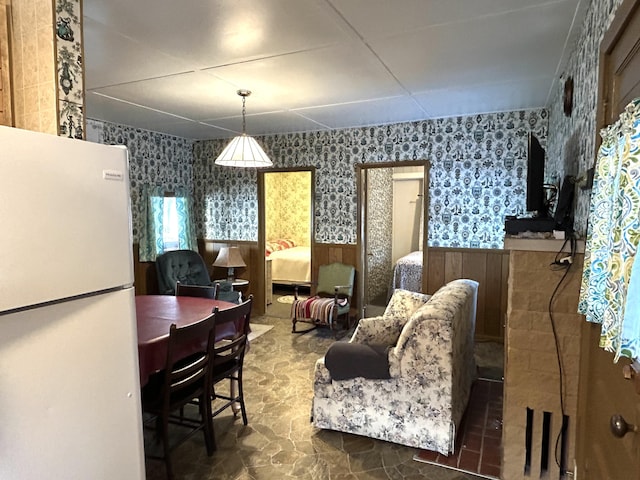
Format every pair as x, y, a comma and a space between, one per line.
392, 199
287, 233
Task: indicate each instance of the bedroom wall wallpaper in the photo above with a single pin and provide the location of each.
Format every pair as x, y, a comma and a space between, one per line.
154, 159
572, 139
379, 239
478, 175
288, 206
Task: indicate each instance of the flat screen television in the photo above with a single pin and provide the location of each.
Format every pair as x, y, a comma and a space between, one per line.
536, 198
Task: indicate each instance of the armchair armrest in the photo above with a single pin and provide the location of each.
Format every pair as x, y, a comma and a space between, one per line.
377, 331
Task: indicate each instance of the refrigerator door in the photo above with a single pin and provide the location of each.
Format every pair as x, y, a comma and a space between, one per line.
70, 391
66, 220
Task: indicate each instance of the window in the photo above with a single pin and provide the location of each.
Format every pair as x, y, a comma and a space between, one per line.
170, 224
167, 223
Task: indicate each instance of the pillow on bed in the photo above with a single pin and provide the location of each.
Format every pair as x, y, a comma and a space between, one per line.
286, 243
278, 244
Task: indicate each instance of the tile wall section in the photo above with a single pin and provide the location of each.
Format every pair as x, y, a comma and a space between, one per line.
33, 66
478, 175
572, 139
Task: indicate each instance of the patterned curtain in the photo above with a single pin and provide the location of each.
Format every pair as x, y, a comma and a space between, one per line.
610, 290
151, 244
186, 228
151, 236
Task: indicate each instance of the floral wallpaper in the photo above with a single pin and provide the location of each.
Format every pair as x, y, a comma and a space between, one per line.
478, 162
70, 73
572, 139
154, 158
379, 239
478, 175
288, 206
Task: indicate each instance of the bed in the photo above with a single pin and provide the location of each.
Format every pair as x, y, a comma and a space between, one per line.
407, 272
291, 265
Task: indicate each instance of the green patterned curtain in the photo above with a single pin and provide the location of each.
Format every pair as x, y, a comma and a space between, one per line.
151, 233
186, 228
151, 244
610, 290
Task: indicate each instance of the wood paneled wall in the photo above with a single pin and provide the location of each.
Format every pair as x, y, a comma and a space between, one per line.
146, 280
488, 267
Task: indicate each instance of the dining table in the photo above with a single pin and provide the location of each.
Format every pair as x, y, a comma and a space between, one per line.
156, 313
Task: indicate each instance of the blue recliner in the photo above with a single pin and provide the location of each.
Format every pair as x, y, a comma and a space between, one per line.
184, 266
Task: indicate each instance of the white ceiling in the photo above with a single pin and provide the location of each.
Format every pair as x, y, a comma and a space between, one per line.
175, 66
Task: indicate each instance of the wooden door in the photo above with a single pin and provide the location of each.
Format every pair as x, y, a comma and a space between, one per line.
604, 391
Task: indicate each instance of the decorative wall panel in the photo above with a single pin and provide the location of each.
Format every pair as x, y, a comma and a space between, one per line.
70, 68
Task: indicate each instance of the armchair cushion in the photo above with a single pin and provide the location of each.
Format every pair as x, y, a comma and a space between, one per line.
386, 329
350, 360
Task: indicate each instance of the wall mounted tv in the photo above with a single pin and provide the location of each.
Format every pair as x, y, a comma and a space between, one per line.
536, 197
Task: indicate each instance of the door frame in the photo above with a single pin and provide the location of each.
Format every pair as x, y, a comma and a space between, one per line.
262, 226
362, 195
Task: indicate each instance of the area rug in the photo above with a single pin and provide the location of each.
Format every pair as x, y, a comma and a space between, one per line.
479, 443
258, 329
289, 298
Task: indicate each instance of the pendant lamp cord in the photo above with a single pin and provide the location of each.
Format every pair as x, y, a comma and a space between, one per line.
244, 122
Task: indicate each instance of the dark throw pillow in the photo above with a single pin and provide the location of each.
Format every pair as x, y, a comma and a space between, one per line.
350, 360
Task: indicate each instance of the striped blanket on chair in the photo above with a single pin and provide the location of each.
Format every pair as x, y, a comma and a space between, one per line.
318, 310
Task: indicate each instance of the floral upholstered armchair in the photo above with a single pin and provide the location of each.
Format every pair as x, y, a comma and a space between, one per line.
428, 350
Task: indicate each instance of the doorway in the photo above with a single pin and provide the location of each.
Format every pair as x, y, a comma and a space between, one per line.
286, 227
392, 200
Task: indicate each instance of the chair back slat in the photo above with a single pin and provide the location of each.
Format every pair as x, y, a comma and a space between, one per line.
183, 376
201, 291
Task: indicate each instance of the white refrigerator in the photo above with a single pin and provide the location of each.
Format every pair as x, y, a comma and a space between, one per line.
69, 381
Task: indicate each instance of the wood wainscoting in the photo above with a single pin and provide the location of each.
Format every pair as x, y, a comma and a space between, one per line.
146, 280
488, 267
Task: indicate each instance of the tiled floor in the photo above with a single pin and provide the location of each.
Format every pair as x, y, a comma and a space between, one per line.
479, 445
279, 442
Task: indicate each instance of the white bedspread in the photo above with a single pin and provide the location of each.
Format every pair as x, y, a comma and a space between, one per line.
292, 265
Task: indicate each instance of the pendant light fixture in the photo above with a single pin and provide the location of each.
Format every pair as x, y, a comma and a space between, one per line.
243, 151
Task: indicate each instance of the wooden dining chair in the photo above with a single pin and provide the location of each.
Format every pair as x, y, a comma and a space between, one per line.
197, 290
182, 380
227, 358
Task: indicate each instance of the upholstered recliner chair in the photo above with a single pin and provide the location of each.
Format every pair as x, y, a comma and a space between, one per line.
184, 266
422, 377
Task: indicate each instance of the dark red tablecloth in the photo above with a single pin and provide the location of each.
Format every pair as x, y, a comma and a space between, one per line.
156, 313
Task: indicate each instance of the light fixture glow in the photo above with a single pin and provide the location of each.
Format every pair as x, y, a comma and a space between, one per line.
243, 150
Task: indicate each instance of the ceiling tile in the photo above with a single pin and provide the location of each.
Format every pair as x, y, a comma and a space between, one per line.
346, 73
359, 114
513, 46
498, 97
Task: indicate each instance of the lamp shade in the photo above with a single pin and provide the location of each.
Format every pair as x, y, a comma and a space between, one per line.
243, 151
229, 257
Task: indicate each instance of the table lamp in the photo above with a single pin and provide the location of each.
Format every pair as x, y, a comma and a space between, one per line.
229, 258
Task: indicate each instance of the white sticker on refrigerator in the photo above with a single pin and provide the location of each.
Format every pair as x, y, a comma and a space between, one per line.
112, 175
